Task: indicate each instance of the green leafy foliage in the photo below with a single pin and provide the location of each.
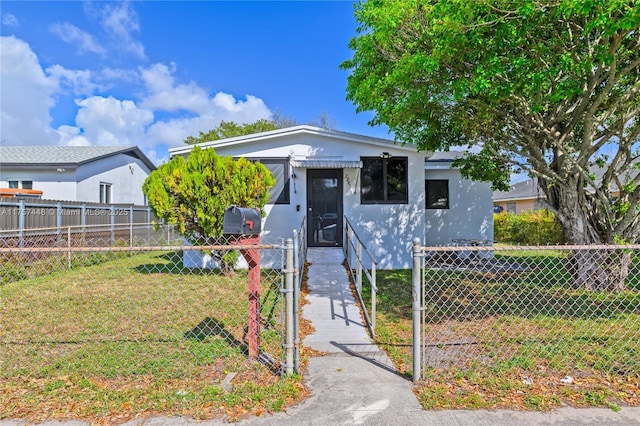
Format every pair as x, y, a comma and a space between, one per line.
528, 228
194, 193
230, 129
551, 88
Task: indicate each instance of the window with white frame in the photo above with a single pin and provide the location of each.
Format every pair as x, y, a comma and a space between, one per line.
22, 184
105, 193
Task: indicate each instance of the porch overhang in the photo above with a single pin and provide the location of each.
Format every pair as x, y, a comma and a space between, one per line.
327, 164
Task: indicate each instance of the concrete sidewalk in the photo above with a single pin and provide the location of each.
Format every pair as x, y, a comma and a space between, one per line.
355, 383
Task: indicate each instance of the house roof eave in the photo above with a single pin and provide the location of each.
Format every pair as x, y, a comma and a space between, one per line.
292, 131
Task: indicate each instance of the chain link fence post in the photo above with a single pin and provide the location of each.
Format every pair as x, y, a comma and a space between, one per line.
289, 269
415, 306
296, 302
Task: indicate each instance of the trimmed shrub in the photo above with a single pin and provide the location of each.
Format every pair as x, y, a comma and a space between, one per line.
529, 228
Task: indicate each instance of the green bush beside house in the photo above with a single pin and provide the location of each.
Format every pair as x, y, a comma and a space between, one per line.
529, 228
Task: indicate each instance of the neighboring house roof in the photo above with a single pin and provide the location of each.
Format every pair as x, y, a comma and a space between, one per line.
65, 155
295, 131
529, 189
20, 192
525, 190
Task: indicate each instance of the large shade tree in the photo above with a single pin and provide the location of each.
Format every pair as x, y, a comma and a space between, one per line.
551, 88
193, 193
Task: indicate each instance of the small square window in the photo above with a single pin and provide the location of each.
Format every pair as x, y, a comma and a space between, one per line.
437, 194
27, 184
14, 184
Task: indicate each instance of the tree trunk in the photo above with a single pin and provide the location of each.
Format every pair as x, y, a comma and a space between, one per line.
226, 260
599, 269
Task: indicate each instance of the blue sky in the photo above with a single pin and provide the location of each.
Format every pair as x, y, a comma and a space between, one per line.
150, 73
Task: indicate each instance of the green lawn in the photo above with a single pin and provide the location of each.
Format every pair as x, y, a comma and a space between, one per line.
136, 335
508, 339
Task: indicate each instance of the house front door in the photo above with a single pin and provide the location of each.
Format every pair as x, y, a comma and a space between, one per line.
324, 207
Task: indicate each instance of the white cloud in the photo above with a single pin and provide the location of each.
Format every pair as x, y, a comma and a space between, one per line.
222, 107
71, 136
121, 20
242, 111
73, 35
109, 121
78, 82
26, 96
117, 74
165, 95
10, 20
29, 93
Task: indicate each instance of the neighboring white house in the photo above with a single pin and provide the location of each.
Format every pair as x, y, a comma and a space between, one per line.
101, 174
379, 186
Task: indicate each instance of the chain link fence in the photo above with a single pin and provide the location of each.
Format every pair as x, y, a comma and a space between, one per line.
130, 303
570, 310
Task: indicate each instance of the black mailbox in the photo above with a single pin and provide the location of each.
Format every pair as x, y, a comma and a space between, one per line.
241, 221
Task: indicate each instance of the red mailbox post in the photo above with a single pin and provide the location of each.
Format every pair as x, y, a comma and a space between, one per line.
252, 257
244, 226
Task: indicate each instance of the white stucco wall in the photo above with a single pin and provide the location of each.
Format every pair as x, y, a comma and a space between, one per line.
470, 212
83, 183
386, 229
126, 182
53, 184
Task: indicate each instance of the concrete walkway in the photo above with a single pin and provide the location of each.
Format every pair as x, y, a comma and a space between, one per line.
355, 382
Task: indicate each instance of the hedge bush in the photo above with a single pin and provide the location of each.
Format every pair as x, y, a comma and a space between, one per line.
529, 228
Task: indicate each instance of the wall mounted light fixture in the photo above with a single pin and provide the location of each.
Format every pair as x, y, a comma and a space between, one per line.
385, 155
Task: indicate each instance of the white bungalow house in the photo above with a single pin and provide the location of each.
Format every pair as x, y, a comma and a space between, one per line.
101, 174
390, 193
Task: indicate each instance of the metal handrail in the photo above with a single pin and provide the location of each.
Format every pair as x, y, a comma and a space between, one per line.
353, 244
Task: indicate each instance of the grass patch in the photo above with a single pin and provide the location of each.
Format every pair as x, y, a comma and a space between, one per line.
137, 335
508, 340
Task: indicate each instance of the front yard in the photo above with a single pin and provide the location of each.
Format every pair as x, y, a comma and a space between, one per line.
136, 336
518, 341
